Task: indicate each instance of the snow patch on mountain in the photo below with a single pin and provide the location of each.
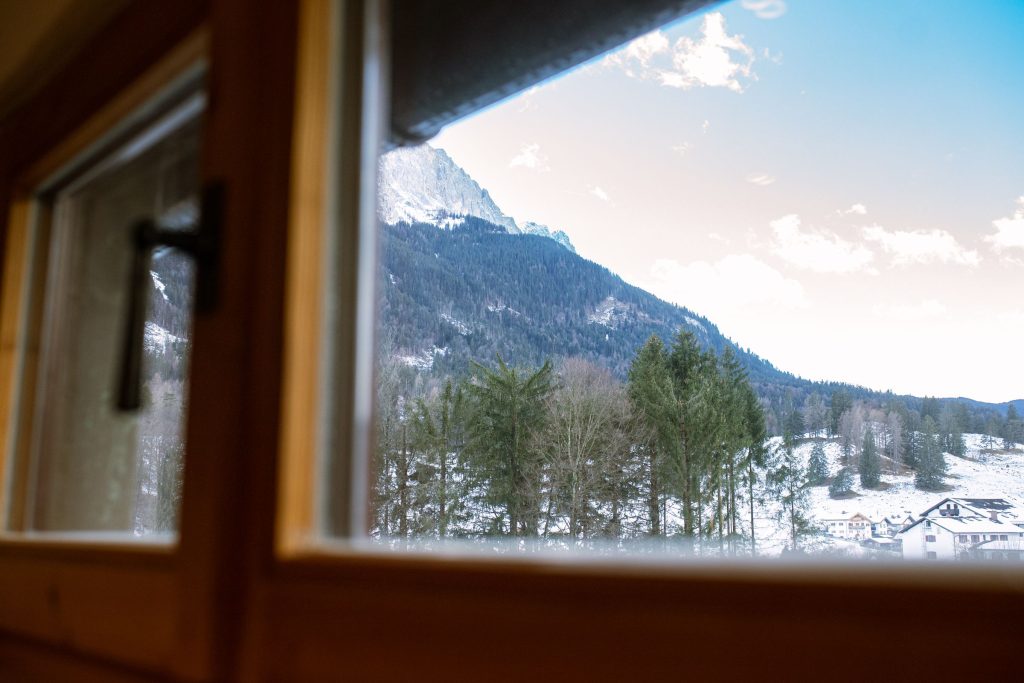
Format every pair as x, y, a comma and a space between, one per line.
609, 313
157, 339
424, 360
159, 284
499, 308
695, 323
460, 327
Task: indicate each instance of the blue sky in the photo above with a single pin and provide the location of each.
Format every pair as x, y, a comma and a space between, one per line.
838, 185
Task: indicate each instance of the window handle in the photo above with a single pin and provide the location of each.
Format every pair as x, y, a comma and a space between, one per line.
203, 245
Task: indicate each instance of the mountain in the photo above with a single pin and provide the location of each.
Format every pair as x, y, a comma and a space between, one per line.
531, 228
471, 291
423, 185
483, 284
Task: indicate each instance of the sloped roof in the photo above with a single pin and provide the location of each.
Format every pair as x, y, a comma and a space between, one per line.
967, 525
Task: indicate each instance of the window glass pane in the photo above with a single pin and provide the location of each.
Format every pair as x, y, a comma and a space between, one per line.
96, 468
706, 295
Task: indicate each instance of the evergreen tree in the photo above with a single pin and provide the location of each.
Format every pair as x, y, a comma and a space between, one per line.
842, 484
1013, 429
817, 466
841, 402
931, 466
654, 406
694, 380
788, 480
757, 453
870, 463
510, 409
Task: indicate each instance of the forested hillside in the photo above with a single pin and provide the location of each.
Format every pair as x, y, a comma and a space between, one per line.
449, 296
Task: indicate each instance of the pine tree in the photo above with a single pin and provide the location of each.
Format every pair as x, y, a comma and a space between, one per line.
870, 463
1013, 429
654, 405
694, 380
931, 466
510, 409
757, 453
788, 480
817, 466
842, 484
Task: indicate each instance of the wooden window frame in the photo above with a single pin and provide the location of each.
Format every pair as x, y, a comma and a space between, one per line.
332, 606
137, 610
250, 592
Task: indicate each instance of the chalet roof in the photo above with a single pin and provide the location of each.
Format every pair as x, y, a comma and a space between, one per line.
983, 507
967, 525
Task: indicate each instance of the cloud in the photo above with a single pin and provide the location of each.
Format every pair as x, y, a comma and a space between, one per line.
816, 250
530, 157
715, 59
1009, 232
929, 308
735, 281
704, 126
761, 179
599, 193
682, 149
921, 246
765, 9
858, 209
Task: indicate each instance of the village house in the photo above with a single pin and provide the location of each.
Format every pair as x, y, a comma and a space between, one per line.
858, 527
961, 528
889, 526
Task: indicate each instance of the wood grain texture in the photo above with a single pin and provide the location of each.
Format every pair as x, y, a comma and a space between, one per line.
311, 144
394, 619
98, 601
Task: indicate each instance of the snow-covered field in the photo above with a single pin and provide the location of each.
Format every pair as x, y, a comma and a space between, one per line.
981, 474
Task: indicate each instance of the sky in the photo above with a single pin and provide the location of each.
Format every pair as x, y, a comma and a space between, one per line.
838, 186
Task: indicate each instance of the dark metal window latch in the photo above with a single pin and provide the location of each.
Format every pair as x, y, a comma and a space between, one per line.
203, 245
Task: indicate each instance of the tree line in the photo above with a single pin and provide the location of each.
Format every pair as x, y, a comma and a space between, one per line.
572, 452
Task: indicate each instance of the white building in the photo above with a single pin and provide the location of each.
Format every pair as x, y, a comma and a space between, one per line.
958, 528
891, 524
857, 527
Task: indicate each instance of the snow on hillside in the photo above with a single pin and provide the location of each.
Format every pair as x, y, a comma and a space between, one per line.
608, 313
157, 339
981, 474
424, 360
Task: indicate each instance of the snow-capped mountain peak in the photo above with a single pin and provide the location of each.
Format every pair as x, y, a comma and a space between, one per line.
423, 184
531, 228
